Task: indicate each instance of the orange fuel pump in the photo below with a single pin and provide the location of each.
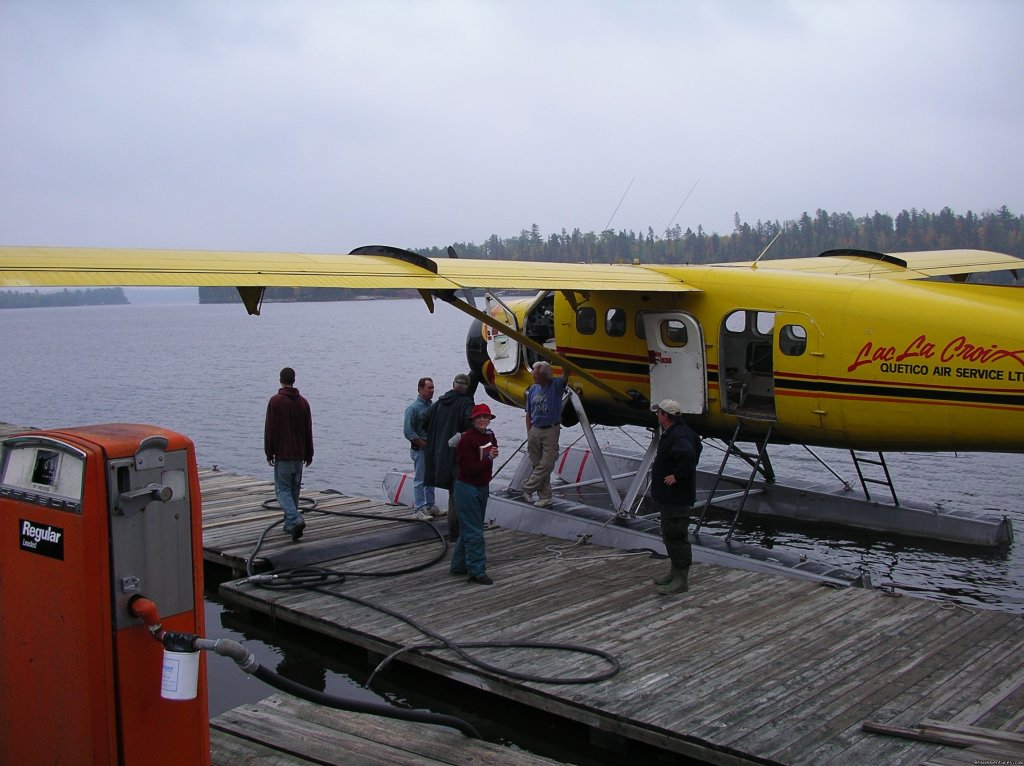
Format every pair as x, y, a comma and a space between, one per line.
92, 519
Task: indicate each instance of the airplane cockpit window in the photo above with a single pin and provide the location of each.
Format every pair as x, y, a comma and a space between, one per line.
615, 322
638, 326
792, 340
540, 322
586, 320
673, 333
539, 326
736, 322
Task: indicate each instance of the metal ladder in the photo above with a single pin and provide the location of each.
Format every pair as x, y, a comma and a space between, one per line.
865, 480
759, 464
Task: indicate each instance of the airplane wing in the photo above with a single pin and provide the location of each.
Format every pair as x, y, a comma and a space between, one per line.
914, 265
375, 266
369, 267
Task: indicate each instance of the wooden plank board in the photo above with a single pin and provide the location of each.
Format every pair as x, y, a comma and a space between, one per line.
285, 731
744, 667
851, 687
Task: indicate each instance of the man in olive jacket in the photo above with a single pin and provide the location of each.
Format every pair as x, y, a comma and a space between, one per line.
447, 416
673, 492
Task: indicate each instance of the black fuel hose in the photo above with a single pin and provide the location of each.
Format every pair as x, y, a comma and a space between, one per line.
325, 576
316, 578
246, 660
281, 683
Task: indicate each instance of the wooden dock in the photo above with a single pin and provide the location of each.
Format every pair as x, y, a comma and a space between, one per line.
746, 668
284, 731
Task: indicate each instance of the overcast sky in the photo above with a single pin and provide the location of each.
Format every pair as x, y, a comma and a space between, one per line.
322, 126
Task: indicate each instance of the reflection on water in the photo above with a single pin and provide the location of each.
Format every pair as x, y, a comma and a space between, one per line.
970, 575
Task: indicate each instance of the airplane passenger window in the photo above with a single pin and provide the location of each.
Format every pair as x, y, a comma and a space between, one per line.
736, 322
765, 322
615, 322
792, 340
638, 326
673, 333
586, 321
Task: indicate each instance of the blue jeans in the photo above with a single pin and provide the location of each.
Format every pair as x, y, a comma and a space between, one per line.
469, 554
287, 481
422, 495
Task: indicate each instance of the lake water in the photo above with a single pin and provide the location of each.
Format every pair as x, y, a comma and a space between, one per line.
207, 371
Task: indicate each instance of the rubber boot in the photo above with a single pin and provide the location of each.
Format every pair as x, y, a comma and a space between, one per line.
678, 583
666, 578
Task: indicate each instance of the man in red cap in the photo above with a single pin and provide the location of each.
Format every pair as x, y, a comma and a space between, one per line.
474, 463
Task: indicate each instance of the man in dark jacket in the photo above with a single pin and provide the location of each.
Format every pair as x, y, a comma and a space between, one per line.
447, 416
288, 444
673, 492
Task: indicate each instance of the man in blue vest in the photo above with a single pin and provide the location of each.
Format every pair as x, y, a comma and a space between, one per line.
543, 427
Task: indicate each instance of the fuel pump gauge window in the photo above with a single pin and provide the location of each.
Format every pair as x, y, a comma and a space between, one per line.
43, 475
46, 470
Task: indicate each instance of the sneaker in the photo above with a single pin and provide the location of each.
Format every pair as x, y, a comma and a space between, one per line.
422, 515
481, 580
529, 497
297, 531
436, 512
544, 502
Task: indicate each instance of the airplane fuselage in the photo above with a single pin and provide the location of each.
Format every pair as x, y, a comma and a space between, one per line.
826, 360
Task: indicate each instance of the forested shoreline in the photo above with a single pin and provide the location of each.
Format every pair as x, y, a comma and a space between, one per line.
1000, 231
910, 230
101, 296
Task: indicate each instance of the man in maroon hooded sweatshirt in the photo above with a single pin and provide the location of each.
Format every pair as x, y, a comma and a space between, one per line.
288, 444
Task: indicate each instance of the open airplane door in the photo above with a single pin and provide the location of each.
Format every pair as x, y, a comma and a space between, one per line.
502, 350
675, 350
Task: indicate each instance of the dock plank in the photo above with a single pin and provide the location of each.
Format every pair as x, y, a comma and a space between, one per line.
285, 731
743, 668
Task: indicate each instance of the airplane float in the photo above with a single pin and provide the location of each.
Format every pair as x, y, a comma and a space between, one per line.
853, 349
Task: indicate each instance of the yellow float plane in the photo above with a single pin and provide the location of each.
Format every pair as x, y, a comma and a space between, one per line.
852, 349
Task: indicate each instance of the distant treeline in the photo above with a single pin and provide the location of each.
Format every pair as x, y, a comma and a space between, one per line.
1001, 231
101, 296
911, 230
301, 294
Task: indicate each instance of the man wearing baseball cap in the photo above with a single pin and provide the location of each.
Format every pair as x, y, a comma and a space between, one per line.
673, 492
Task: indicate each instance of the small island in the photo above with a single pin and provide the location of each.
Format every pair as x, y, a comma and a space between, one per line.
100, 296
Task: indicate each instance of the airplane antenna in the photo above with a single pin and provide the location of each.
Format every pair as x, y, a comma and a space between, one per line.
616, 210
754, 264
672, 220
